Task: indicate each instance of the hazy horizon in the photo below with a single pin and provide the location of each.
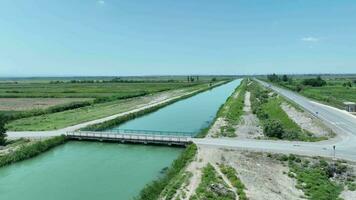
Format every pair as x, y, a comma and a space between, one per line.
134, 38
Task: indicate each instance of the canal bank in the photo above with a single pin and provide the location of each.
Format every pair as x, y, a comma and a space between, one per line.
31, 183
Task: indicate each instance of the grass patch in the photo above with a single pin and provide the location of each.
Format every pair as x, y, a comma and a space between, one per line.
232, 110
171, 189
275, 121
153, 190
31, 150
231, 174
119, 120
315, 180
334, 93
318, 178
212, 187
71, 117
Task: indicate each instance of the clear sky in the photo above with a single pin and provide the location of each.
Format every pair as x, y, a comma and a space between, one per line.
157, 37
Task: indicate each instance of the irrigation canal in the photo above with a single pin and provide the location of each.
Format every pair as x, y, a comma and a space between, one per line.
93, 170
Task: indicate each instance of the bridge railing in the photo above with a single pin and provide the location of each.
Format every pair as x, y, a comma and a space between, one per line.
152, 132
131, 136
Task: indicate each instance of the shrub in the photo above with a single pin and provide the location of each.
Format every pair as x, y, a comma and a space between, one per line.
153, 190
29, 151
273, 128
314, 82
2, 129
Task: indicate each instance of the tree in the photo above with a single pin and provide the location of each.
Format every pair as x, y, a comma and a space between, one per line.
273, 128
273, 78
285, 78
347, 84
314, 82
2, 130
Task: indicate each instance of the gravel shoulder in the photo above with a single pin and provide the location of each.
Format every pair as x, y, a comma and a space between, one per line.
306, 121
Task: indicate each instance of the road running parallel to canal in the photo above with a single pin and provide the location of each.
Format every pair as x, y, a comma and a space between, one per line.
343, 123
94, 170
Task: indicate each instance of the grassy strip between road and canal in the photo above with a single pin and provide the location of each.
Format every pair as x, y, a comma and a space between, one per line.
275, 121
122, 119
31, 150
232, 110
153, 190
224, 110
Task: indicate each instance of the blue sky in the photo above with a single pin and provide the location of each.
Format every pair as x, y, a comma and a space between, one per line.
129, 37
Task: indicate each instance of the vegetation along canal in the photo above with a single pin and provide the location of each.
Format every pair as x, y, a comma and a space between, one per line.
190, 115
90, 170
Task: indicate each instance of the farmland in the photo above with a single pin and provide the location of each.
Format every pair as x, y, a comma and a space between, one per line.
84, 90
57, 120
337, 89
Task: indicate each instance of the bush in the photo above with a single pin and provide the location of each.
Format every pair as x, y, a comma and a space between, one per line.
3, 135
347, 84
314, 82
153, 190
29, 151
273, 128
291, 135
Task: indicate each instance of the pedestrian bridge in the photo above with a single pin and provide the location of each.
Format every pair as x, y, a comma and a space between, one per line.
134, 136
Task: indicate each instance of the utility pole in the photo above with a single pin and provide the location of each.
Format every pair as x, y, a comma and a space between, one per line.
334, 148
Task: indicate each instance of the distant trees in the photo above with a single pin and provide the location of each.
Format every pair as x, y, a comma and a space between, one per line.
275, 78
347, 84
192, 78
3, 135
314, 82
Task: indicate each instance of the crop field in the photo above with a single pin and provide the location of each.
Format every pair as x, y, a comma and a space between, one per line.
84, 90
338, 89
23, 104
57, 120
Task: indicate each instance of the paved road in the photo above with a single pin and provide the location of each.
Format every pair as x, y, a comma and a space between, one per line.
340, 121
44, 134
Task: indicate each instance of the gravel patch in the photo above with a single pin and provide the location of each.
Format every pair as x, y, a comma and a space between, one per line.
306, 121
249, 125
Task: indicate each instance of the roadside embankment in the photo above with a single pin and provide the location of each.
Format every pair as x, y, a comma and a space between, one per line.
31, 150
124, 118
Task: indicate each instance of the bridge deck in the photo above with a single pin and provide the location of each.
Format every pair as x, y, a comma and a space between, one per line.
179, 140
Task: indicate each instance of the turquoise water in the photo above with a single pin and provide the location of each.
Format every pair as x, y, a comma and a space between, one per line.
85, 171
93, 171
189, 115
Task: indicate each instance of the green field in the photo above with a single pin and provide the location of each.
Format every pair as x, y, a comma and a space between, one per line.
35, 97
84, 90
67, 118
336, 91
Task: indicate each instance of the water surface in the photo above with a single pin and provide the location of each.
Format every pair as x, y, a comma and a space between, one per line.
86, 170
93, 171
189, 115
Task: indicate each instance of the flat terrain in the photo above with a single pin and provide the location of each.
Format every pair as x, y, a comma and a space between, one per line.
336, 91
84, 90
24, 104
58, 120
269, 176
